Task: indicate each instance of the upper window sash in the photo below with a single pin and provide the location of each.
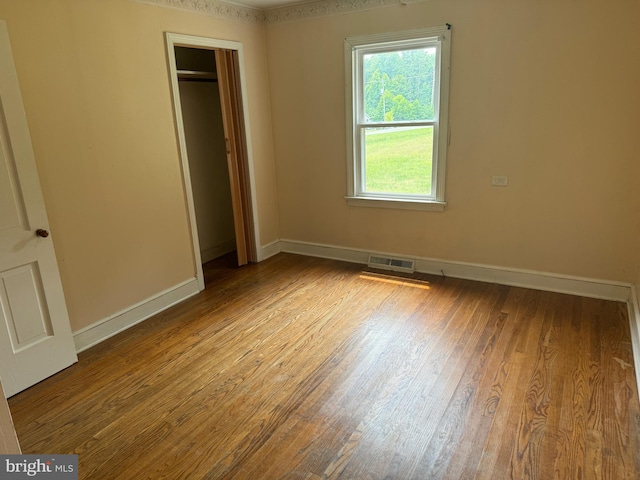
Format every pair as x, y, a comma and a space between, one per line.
359, 53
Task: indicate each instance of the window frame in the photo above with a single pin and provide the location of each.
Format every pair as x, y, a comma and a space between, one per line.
355, 49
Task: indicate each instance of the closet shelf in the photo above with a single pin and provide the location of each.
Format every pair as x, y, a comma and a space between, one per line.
196, 75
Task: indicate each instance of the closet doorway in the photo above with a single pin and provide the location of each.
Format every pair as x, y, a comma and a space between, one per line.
208, 104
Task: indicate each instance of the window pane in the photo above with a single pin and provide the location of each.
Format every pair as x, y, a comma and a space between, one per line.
399, 86
397, 160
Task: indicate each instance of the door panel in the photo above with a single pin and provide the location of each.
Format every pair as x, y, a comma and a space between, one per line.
228, 69
35, 335
23, 308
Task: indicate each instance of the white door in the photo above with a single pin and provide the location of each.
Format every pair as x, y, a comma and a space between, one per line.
35, 335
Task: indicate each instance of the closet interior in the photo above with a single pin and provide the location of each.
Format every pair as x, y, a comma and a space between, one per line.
206, 151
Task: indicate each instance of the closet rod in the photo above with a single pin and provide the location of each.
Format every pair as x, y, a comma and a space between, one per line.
206, 80
197, 75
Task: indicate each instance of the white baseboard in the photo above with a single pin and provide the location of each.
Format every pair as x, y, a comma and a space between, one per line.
634, 323
586, 287
116, 323
269, 250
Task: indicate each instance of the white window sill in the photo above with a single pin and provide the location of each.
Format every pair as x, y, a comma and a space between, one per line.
399, 204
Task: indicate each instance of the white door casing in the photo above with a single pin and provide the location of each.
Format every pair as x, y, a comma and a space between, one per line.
180, 40
35, 335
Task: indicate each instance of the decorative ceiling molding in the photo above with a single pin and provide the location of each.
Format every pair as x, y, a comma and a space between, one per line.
323, 8
215, 8
292, 13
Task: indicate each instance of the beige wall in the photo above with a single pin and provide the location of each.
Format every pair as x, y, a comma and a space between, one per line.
95, 83
544, 92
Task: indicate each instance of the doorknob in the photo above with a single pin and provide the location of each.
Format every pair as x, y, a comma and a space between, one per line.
41, 232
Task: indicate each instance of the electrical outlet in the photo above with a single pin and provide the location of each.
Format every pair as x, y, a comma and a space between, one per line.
499, 181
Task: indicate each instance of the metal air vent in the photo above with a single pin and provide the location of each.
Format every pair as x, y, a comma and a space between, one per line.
390, 263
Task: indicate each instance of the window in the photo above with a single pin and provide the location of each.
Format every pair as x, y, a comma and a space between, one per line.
397, 96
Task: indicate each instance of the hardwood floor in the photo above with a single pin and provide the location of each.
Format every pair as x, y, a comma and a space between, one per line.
303, 368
